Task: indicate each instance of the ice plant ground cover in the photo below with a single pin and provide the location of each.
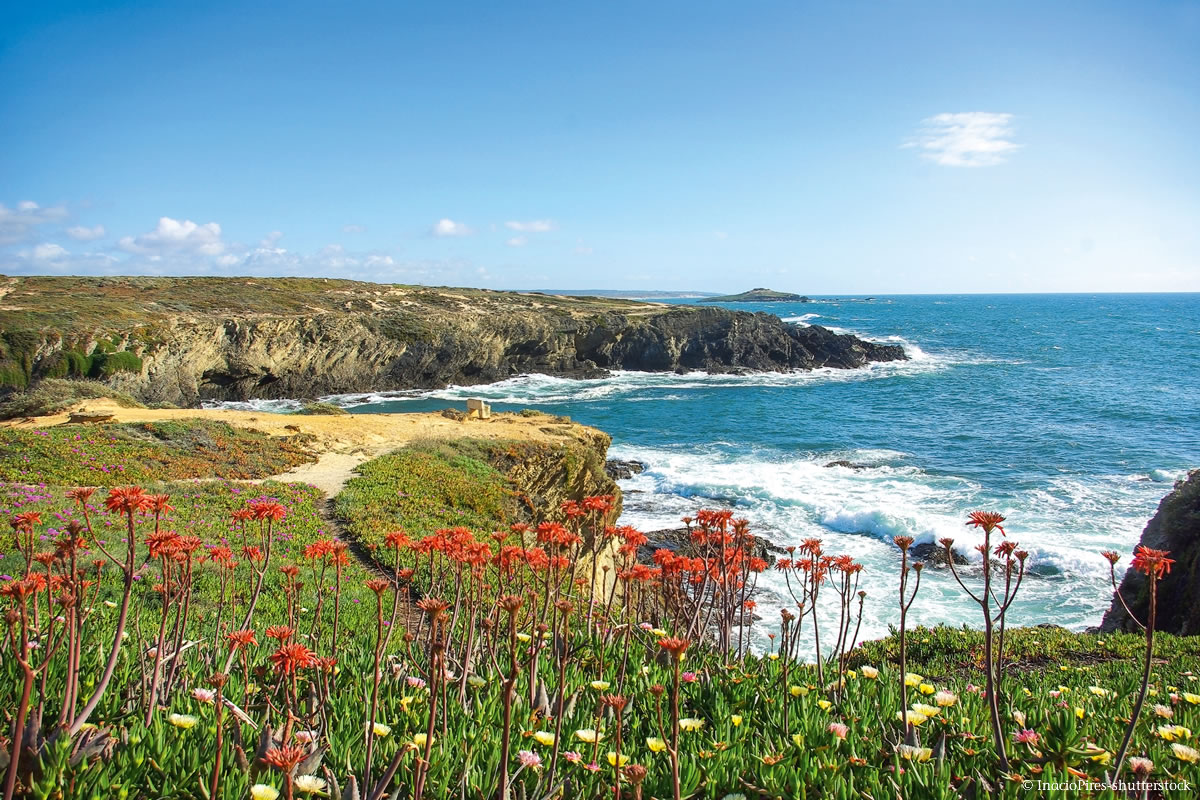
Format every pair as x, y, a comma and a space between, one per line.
261, 659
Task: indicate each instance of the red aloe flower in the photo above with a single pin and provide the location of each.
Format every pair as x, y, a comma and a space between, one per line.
292, 657
127, 500
1153, 563
988, 520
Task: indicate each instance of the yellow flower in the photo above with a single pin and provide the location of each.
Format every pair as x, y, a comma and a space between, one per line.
851, 674
524, 637
659, 632
420, 739
1079, 712
910, 753
913, 679
1098, 691
1064, 668
185, 721
911, 717
309, 784
870, 672
736, 719
773, 656
798, 691
612, 759
1098, 754
825, 705
404, 701
589, 735
926, 688
945, 699
1173, 732
1185, 753
1193, 699
600, 686
379, 729
691, 724
926, 711
263, 791
798, 740
544, 737
476, 682
655, 744
1019, 718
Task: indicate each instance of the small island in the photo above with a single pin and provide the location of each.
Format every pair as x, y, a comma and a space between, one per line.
760, 295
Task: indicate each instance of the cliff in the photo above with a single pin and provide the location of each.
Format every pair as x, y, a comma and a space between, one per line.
181, 340
1175, 527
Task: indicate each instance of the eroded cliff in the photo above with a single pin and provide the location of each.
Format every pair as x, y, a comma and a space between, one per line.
182, 340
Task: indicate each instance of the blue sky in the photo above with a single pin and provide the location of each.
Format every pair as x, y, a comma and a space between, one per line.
856, 147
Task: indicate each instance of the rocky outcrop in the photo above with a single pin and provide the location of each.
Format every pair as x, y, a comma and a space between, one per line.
288, 338
620, 470
1175, 527
679, 540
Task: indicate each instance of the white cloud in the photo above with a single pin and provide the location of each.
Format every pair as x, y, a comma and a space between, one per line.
81, 233
271, 239
448, 227
175, 236
354, 228
532, 226
17, 224
965, 139
517, 241
48, 251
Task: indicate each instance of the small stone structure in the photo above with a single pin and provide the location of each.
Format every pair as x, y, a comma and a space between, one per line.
478, 408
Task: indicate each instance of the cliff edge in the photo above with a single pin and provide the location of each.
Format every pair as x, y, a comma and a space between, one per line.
1175, 527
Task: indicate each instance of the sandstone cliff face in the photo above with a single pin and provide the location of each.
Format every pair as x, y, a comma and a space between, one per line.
1176, 528
200, 339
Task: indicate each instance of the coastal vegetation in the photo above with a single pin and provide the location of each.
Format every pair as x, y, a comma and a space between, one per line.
438, 635
759, 295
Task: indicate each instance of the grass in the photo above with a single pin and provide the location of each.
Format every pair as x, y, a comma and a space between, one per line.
425, 487
121, 453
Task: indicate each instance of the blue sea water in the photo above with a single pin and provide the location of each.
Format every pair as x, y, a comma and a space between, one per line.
1070, 414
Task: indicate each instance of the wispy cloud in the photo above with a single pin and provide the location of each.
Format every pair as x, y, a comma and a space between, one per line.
17, 224
82, 233
517, 241
532, 226
354, 228
448, 227
965, 139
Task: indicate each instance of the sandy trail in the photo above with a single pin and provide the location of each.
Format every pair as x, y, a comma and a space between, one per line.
341, 441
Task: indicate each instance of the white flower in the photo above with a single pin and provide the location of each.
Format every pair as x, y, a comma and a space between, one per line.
184, 721
263, 791
310, 784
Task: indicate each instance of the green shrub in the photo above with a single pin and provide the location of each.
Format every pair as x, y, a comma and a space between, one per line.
105, 365
55, 395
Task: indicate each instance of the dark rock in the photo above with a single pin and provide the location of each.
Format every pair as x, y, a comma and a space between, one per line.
934, 555
848, 465
1175, 527
620, 470
678, 540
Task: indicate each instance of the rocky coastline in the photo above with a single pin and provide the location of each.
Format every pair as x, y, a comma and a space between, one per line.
185, 340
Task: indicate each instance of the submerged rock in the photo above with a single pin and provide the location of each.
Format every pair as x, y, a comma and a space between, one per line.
933, 554
1175, 527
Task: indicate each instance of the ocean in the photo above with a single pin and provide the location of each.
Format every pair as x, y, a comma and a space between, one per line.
1072, 415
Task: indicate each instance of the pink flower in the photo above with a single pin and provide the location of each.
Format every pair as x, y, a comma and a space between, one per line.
415, 682
530, 759
688, 677
592, 767
1026, 736
838, 729
204, 695
572, 756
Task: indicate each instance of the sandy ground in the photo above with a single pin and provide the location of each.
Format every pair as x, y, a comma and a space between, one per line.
342, 441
